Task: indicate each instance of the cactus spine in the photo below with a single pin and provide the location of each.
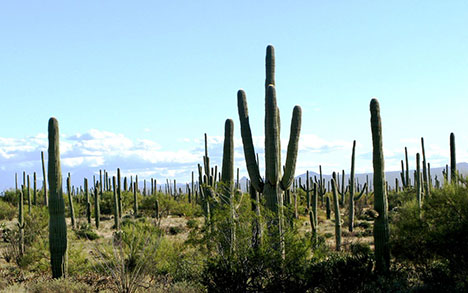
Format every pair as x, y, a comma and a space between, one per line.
381, 229
57, 224
274, 185
453, 161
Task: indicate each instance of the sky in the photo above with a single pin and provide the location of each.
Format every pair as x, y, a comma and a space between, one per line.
136, 84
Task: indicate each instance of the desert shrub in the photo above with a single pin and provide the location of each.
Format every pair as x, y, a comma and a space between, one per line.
85, 231
168, 205
10, 196
128, 259
177, 262
433, 238
192, 224
7, 211
106, 204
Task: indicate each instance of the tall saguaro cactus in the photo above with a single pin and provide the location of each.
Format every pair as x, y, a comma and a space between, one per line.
44, 180
381, 229
57, 224
453, 161
227, 175
352, 196
274, 183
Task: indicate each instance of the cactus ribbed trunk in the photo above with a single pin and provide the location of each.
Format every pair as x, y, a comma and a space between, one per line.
29, 195
135, 201
20, 222
418, 181
46, 201
381, 229
275, 183
70, 201
57, 224
424, 164
119, 193
116, 205
336, 206
351, 191
453, 160
88, 203
97, 210
34, 189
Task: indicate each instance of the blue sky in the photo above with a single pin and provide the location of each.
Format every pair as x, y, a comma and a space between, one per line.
135, 84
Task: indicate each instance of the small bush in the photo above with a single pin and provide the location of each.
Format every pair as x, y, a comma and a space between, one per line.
7, 211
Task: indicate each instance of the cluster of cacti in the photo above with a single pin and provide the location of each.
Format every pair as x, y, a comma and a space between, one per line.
274, 183
217, 189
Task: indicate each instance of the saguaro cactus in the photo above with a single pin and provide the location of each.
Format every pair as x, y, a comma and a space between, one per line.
274, 184
88, 203
116, 205
227, 175
381, 229
70, 200
57, 224
44, 180
336, 206
352, 196
417, 179
453, 161
97, 210
20, 222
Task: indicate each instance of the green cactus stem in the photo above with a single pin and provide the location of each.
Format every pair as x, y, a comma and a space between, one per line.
135, 201
453, 161
119, 193
34, 189
418, 181
381, 228
70, 201
20, 222
57, 224
97, 210
116, 205
88, 202
336, 206
28, 190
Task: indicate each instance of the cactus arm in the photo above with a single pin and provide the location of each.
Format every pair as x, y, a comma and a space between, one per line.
364, 188
293, 147
249, 151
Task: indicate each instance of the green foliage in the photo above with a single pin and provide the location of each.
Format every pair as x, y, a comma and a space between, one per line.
7, 210
85, 231
168, 206
10, 196
433, 239
107, 202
